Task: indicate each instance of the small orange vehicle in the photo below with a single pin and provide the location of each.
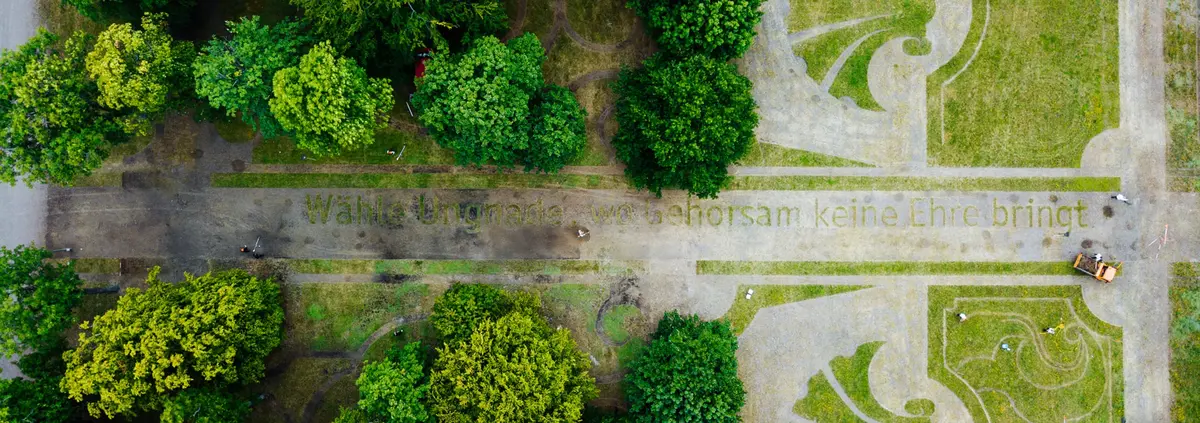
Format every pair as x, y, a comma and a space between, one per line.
1102, 271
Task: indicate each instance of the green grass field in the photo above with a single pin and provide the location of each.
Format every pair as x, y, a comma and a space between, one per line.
1073, 374
1043, 84
601, 21
765, 154
842, 268
743, 310
339, 317
1185, 341
418, 149
895, 19
823, 405
1183, 106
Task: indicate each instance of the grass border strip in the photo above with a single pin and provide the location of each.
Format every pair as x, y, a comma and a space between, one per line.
739, 183
465, 267
882, 268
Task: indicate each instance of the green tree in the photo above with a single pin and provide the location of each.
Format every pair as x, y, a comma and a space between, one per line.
458, 311
330, 103
515, 369
393, 390
204, 405
212, 330
361, 28
36, 397
721, 29
682, 123
54, 131
140, 70
686, 374
38, 298
558, 131
236, 74
126, 10
477, 103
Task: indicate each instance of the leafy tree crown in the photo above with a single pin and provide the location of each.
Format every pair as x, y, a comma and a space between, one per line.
720, 29
38, 299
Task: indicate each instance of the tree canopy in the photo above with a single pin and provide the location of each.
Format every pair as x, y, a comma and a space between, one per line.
721, 29
490, 105
51, 128
394, 390
557, 130
330, 103
686, 374
360, 28
236, 74
514, 369
140, 70
126, 10
212, 330
204, 405
462, 307
38, 299
682, 123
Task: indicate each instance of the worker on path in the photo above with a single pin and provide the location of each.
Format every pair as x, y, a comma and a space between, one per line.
1122, 198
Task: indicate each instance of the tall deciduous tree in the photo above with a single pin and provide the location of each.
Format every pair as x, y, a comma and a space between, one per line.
362, 28
51, 126
557, 130
212, 330
393, 390
686, 374
682, 123
330, 103
720, 29
141, 70
515, 369
126, 10
236, 74
464, 306
37, 299
204, 405
489, 106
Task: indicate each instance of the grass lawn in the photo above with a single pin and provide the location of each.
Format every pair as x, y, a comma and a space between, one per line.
822, 404
601, 21
1074, 374
766, 154
743, 310
615, 321
1042, 85
464, 267
418, 149
575, 307
913, 183
1179, 49
837, 268
897, 19
291, 391
596, 97
1185, 341
106, 266
339, 317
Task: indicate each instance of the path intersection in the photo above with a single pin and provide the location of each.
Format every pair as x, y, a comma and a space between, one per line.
920, 229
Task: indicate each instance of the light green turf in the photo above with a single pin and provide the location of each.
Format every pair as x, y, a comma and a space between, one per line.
99, 179
742, 183
906, 183
464, 267
900, 19
823, 405
767, 154
601, 21
1179, 50
1185, 341
614, 322
1042, 85
340, 317
837, 268
418, 149
1074, 374
105, 266
852, 374
742, 311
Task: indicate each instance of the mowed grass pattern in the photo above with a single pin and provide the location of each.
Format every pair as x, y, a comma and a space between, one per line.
1074, 374
1044, 82
1185, 341
742, 311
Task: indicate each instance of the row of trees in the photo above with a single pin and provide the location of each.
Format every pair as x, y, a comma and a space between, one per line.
175, 349
501, 362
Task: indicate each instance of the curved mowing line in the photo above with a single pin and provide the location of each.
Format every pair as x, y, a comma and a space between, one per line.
987, 17
816, 31
841, 393
834, 70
